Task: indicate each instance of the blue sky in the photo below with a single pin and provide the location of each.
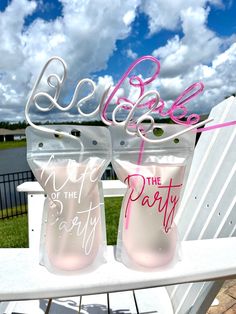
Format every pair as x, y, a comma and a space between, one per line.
194, 41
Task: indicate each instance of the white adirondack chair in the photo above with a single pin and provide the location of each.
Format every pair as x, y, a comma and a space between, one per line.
207, 226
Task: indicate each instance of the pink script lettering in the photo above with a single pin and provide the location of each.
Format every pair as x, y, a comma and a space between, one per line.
164, 198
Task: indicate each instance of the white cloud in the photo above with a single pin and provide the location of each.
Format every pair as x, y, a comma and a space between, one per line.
218, 78
165, 14
129, 17
11, 25
198, 44
85, 36
198, 54
131, 54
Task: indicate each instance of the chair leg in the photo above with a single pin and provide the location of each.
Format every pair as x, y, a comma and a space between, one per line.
48, 306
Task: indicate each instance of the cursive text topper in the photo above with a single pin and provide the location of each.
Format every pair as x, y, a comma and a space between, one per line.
150, 106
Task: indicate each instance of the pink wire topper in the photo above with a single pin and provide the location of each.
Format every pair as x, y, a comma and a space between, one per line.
179, 105
134, 81
173, 112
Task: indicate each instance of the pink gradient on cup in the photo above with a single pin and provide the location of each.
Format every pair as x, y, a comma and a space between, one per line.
73, 227
153, 198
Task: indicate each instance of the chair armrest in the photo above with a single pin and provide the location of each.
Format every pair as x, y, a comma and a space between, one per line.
111, 188
23, 278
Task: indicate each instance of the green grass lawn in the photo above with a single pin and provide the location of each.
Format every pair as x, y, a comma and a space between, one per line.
12, 144
14, 231
112, 210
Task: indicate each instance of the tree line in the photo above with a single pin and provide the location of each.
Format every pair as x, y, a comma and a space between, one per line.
13, 126
24, 124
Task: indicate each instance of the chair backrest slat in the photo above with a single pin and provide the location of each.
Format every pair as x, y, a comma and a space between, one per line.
211, 178
209, 203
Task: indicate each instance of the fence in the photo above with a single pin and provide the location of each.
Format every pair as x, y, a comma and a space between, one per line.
109, 173
13, 203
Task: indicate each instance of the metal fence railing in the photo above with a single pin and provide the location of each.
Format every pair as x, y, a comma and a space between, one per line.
109, 173
13, 203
